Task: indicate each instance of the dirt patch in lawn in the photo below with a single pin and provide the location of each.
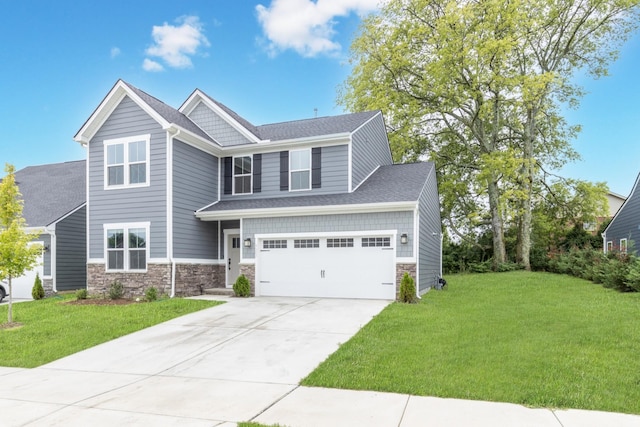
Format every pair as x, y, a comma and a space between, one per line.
12, 325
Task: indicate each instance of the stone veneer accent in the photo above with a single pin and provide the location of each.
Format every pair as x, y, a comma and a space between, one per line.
249, 270
192, 279
47, 285
400, 270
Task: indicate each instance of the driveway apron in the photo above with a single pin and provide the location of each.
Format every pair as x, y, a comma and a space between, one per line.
222, 365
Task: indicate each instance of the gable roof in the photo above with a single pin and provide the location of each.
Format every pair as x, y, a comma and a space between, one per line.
389, 184
50, 192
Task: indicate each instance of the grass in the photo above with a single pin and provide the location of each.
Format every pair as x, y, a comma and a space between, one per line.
51, 329
536, 339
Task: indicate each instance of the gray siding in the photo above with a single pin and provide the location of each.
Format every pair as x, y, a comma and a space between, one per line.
216, 127
626, 223
370, 149
71, 251
334, 170
195, 184
430, 251
133, 204
400, 221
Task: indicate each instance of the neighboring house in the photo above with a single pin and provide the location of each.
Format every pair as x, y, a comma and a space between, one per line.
191, 198
54, 198
615, 202
623, 232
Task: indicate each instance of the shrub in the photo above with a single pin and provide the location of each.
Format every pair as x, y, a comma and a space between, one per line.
242, 287
116, 290
37, 292
151, 294
81, 294
407, 289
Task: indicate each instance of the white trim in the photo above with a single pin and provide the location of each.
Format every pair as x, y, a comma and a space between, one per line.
169, 198
330, 234
367, 177
125, 141
286, 145
291, 170
198, 261
305, 211
125, 227
407, 260
350, 165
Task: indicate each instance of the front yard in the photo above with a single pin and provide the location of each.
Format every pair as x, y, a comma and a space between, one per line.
53, 329
536, 339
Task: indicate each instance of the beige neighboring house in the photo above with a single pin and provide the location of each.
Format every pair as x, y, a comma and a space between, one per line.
615, 201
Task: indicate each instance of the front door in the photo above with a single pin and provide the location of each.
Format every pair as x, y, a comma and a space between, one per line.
233, 258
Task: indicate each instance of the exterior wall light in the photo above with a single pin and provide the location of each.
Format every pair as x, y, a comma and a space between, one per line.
247, 242
404, 239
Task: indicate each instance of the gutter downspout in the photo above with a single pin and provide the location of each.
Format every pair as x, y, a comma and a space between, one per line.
171, 133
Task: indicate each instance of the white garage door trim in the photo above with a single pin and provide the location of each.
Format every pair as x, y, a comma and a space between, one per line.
334, 264
22, 286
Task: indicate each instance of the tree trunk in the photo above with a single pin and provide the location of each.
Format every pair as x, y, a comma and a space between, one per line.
10, 305
523, 247
499, 252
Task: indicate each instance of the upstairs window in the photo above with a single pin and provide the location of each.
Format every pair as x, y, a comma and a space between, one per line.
300, 170
126, 162
242, 175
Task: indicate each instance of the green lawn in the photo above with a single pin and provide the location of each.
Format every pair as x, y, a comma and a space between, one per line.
536, 339
52, 329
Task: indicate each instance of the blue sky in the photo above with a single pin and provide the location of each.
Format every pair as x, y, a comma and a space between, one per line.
269, 60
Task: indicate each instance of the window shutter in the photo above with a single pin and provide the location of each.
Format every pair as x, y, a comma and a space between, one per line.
257, 173
316, 167
228, 175
284, 171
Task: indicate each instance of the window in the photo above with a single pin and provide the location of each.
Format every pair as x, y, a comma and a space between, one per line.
127, 162
242, 175
300, 170
623, 246
235, 243
340, 243
126, 247
306, 243
376, 242
609, 246
274, 244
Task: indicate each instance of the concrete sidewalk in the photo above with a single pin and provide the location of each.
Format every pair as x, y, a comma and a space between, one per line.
241, 361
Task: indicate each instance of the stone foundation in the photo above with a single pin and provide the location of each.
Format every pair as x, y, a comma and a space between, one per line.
193, 279
400, 270
249, 270
157, 275
47, 285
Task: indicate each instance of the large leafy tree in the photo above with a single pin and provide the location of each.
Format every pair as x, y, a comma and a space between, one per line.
477, 86
16, 255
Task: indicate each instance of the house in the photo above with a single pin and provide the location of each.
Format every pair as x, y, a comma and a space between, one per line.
623, 232
190, 198
614, 201
54, 199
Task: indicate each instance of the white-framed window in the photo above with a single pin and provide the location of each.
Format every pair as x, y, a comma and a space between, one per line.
609, 246
623, 246
126, 162
126, 246
242, 175
300, 170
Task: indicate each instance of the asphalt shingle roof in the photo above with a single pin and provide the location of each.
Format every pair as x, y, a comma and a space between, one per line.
390, 183
51, 191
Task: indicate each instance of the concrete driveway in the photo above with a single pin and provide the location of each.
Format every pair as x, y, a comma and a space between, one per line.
225, 364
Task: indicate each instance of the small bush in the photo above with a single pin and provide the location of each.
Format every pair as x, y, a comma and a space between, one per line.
242, 287
116, 290
151, 294
81, 294
37, 292
407, 289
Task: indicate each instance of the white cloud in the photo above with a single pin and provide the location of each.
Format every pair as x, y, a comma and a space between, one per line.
307, 26
175, 44
115, 51
153, 66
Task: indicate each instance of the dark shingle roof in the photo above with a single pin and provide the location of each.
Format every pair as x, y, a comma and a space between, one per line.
314, 127
170, 114
51, 191
390, 183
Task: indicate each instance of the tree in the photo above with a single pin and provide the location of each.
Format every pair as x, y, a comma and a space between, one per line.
477, 87
16, 255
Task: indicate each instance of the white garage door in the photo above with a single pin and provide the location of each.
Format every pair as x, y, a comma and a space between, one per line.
22, 286
338, 267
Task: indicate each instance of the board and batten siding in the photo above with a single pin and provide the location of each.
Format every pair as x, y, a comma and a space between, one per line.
195, 184
216, 127
370, 149
430, 251
127, 205
71, 251
626, 223
400, 221
334, 173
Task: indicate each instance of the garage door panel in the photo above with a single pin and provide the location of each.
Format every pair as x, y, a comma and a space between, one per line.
351, 271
